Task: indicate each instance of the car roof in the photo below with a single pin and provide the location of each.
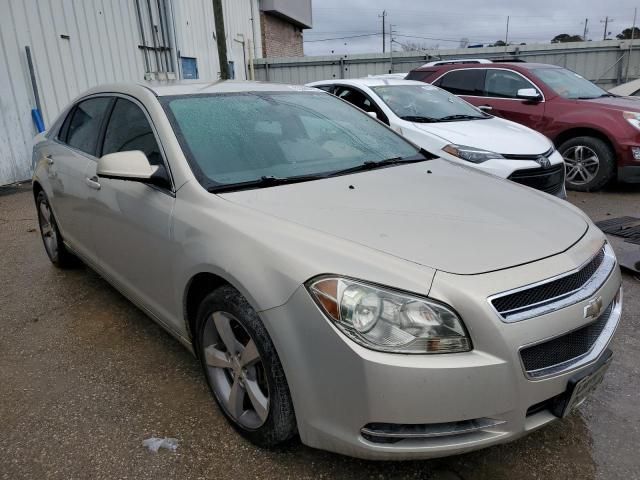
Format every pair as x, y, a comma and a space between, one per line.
509, 65
366, 82
195, 87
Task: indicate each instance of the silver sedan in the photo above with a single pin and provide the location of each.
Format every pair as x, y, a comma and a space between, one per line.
335, 281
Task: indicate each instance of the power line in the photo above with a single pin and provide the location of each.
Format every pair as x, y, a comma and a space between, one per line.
342, 38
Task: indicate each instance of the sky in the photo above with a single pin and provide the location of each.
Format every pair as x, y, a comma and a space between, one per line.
443, 24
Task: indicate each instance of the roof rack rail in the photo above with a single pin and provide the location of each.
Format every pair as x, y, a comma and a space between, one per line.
508, 60
455, 61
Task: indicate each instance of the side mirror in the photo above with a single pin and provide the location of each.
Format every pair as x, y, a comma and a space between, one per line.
372, 114
528, 94
133, 166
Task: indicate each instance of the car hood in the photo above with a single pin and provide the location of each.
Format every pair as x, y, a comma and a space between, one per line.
434, 213
616, 103
494, 134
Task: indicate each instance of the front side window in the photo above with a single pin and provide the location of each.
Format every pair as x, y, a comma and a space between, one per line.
84, 128
505, 84
129, 129
355, 97
426, 103
463, 82
569, 84
244, 137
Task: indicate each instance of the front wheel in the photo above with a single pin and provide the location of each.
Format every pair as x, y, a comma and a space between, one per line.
590, 163
243, 370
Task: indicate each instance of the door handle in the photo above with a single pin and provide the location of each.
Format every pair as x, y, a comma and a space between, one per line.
485, 108
93, 182
49, 159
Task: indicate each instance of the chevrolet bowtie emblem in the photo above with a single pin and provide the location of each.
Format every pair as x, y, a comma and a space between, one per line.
593, 308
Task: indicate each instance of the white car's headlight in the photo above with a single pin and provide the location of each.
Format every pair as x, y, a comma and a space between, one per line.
633, 118
471, 154
383, 319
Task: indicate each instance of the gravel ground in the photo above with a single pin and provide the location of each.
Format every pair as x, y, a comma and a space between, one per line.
85, 377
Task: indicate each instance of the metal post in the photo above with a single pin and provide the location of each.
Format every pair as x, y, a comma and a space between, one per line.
251, 67
341, 63
32, 74
153, 36
145, 54
384, 34
584, 35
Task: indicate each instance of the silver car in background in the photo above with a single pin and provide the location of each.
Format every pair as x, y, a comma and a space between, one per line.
334, 280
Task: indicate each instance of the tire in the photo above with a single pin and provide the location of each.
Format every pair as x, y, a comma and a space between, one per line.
590, 163
224, 314
51, 237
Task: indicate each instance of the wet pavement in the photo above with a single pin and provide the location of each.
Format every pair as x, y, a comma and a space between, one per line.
85, 377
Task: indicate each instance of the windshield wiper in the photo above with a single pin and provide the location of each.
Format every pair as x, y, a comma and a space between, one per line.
449, 118
419, 119
371, 165
262, 182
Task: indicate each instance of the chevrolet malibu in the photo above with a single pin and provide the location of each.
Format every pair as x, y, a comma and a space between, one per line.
335, 281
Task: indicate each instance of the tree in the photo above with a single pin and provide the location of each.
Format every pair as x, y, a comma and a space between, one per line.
565, 37
464, 42
412, 46
626, 34
499, 43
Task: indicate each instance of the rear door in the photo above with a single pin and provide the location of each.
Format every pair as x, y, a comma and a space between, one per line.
131, 221
67, 159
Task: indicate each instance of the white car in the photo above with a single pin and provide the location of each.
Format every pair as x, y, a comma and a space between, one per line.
629, 89
451, 128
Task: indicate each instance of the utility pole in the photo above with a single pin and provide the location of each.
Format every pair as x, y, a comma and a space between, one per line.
633, 31
391, 32
586, 29
384, 33
606, 22
506, 37
221, 39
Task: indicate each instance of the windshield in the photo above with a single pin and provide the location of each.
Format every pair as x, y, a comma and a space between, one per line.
569, 84
244, 137
412, 102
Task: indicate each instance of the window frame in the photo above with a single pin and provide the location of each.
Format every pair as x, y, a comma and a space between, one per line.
69, 117
533, 85
380, 115
441, 77
163, 155
540, 90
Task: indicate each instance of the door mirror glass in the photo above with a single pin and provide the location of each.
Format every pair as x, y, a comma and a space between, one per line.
528, 94
131, 165
372, 114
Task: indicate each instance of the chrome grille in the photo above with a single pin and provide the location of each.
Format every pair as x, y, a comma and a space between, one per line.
566, 347
546, 291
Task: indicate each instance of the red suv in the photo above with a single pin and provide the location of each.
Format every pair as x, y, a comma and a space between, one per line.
597, 133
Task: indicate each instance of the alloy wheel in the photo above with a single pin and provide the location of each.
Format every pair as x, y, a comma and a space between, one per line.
582, 164
47, 229
235, 370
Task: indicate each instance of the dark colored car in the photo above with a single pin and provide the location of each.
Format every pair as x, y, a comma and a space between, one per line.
597, 133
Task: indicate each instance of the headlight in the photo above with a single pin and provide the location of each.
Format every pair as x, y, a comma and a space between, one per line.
470, 154
633, 118
390, 321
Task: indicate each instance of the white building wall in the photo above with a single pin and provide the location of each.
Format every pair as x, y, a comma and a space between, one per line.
102, 47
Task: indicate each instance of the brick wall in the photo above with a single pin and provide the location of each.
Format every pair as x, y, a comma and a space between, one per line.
279, 37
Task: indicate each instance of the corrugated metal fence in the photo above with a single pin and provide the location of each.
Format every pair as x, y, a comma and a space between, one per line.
605, 63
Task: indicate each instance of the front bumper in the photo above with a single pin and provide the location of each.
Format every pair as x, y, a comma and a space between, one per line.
339, 388
629, 174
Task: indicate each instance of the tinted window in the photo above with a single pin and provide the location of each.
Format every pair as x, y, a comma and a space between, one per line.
463, 82
128, 130
505, 84
355, 97
326, 88
235, 138
635, 94
85, 124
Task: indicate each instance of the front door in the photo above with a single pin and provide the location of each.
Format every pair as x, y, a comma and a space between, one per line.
131, 224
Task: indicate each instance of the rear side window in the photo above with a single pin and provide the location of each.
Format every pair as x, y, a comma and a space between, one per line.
128, 130
463, 82
420, 75
86, 121
505, 84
